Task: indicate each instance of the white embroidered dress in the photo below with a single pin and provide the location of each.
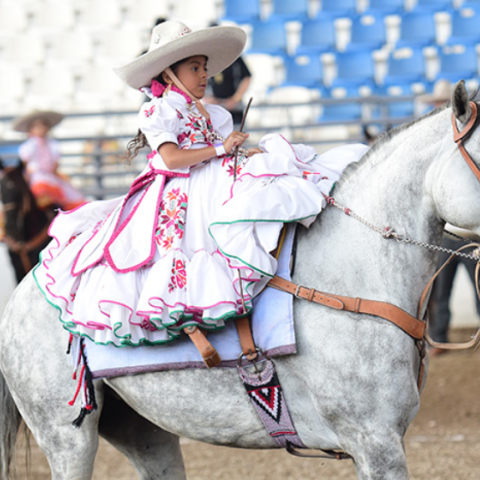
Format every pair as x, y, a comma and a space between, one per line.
137, 269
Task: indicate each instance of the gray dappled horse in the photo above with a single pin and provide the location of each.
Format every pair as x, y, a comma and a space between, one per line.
353, 383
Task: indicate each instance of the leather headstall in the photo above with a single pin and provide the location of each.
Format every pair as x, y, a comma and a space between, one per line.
460, 137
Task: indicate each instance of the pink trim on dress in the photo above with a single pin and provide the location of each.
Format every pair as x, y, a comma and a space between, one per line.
293, 150
51, 283
123, 226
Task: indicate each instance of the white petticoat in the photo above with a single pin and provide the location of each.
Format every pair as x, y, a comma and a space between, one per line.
138, 269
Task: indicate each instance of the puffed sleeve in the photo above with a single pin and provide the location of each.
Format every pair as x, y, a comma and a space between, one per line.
159, 123
221, 119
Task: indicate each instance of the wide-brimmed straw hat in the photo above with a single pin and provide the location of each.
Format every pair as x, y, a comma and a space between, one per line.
173, 41
22, 124
442, 92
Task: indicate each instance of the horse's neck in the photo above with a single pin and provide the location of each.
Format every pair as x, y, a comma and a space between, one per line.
389, 184
386, 189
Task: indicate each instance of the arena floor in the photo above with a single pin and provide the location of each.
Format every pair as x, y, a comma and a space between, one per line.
442, 443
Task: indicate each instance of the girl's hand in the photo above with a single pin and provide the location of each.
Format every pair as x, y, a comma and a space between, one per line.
235, 139
253, 151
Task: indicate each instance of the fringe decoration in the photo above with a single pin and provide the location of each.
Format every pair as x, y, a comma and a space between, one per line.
85, 380
69, 347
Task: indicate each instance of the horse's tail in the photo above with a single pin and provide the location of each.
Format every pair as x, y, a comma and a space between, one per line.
10, 419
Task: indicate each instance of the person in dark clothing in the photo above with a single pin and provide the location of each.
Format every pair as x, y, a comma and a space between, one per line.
25, 229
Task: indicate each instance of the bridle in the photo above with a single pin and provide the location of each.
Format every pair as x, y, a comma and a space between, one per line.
460, 137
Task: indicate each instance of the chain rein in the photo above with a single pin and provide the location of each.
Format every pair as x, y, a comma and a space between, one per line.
389, 232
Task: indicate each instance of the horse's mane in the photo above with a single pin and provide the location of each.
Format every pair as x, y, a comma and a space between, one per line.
387, 136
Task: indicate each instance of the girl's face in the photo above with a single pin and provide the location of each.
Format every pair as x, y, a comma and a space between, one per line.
193, 74
38, 128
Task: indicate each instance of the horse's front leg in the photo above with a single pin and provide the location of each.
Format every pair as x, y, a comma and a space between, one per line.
380, 456
154, 453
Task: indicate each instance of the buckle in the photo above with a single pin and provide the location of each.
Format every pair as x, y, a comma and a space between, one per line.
298, 288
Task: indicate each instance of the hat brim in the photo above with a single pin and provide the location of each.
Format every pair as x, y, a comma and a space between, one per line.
22, 124
221, 45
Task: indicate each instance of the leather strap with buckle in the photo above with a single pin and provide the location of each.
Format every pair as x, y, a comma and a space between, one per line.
408, 323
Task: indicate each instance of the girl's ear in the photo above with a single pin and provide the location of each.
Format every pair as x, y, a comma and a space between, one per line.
166, 78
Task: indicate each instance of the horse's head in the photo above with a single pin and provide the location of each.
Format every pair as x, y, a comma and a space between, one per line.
455, 184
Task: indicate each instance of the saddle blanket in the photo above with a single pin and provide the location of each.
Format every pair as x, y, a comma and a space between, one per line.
272, 327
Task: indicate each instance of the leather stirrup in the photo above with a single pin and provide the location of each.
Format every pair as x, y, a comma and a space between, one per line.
207, 351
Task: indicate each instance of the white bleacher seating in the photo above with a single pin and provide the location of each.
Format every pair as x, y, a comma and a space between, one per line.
52, 86
99, 88
195, 14
24, 49
118, 47
53, 15
70, 49
95, 15
13, 18
12, 89
144, 13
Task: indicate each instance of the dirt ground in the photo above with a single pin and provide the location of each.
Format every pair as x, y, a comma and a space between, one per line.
442, 443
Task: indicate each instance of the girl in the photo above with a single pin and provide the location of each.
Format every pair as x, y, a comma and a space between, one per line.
40, 155
139, 269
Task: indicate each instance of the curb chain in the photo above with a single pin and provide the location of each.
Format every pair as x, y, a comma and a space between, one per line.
389, 232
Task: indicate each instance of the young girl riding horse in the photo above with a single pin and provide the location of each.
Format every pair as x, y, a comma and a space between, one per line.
136, 270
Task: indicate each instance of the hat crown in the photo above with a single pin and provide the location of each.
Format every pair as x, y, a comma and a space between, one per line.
167, 32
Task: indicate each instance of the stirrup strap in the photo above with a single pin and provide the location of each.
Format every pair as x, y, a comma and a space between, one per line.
207, 351
246, 338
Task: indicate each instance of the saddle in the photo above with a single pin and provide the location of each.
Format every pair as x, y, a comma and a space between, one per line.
249, 350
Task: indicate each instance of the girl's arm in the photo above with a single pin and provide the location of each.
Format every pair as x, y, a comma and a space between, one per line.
175, 157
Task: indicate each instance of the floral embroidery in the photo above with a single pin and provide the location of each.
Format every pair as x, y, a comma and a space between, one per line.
201, 130
146, 325
182, 136
229, 162
171, 218
179, 276
149, 112
179, 114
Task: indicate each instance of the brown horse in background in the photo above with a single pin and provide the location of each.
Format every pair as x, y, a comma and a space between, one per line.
25, 224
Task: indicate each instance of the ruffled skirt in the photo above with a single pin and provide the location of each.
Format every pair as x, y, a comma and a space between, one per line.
137, 269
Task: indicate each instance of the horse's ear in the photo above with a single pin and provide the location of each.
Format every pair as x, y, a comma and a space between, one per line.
461, 103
